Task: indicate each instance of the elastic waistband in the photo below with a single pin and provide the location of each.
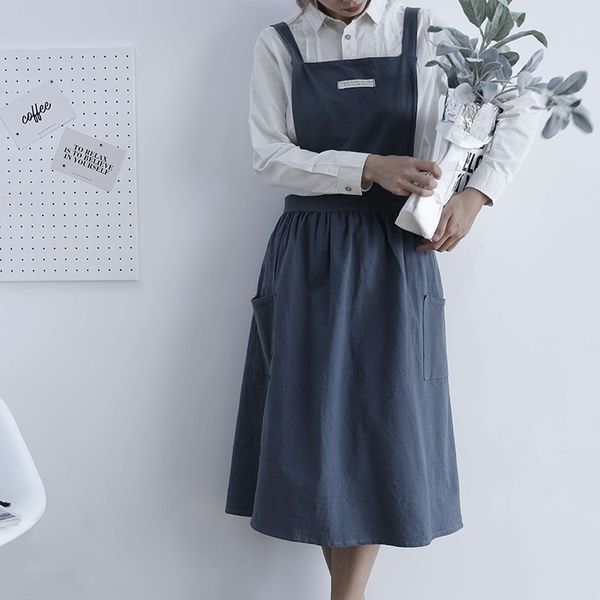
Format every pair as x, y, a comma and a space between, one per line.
328, 202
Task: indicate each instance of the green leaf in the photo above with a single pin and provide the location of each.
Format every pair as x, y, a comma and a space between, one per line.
499, 25
511, 57
490, 55
447, 68
465, 78
524, 78
489, 69
444, 48
503, 23
492, 6
518, 17
538, 35
489, 89
506, 67
453, 77
490, 9
456, 37
460, 65
581, 118
474, 11
540, 88
461, 39
534, 61
554, 82
464, 93
552, 126
573, 83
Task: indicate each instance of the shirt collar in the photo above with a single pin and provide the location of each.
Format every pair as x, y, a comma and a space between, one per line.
316, 17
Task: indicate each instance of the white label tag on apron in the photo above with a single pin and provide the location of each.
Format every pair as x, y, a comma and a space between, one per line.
350, 83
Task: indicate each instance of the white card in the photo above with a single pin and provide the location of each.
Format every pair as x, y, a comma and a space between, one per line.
36, 113
87, 158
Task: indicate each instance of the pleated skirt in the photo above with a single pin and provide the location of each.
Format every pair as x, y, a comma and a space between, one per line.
344, 431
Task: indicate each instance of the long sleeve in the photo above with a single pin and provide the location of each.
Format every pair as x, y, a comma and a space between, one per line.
276, 158
515, 132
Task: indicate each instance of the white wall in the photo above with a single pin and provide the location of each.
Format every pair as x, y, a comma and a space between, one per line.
126, 393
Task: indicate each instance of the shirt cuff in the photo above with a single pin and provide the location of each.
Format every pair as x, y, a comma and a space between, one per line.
488, 181
366, 189
350, 173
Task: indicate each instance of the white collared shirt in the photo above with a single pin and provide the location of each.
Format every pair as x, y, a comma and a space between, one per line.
377, 31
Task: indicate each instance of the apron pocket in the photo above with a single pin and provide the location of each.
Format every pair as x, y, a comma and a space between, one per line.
263, 309
435, 360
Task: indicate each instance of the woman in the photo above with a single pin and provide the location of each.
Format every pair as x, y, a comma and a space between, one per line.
344, 432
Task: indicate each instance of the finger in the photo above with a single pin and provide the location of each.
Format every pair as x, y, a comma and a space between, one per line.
425, 180
449, 242
440, 230
417, 189
452, 246
429, 166
449, 231
425, 246
458, 235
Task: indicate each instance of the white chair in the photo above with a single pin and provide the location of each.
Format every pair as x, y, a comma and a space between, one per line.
20, 482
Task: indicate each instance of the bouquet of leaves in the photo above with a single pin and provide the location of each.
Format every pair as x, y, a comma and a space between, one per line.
482, 76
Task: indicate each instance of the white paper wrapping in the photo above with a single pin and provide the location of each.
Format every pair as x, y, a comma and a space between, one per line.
463, 128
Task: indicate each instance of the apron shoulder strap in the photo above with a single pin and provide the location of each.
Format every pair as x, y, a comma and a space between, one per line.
409, 32
285, 32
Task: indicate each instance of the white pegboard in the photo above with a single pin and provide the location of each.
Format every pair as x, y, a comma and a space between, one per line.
52, 226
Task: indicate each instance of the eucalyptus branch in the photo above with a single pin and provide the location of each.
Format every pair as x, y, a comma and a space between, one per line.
495, 21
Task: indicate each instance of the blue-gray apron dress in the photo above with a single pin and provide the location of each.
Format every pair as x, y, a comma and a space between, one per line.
344, 429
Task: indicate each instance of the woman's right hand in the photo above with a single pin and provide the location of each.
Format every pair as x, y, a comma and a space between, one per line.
402, 175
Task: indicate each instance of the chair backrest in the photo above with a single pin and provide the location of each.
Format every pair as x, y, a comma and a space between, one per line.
20, 482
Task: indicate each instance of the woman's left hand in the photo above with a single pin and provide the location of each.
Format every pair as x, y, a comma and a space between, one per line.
456, 219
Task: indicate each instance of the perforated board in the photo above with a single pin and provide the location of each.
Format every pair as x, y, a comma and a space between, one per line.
54, 227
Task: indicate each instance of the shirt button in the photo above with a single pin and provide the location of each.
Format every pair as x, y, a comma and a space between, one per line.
347, 36
348, 188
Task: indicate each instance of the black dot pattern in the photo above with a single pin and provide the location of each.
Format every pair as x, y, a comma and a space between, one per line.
54, 227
